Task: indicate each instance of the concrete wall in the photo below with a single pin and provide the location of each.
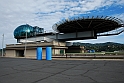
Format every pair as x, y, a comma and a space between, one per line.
10, 53
32, 53
13, 51
55, 51
58, 51
59, 43
43, 53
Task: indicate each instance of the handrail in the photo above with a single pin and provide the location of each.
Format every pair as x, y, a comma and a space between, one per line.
113, 32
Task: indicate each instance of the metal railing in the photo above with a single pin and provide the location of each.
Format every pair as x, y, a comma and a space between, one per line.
113, 32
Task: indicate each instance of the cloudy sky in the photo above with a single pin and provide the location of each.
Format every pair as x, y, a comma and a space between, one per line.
45, 13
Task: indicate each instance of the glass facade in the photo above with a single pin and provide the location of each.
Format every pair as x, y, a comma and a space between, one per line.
20, 31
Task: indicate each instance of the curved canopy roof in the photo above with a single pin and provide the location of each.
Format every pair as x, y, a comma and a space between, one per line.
20, 31
99, 24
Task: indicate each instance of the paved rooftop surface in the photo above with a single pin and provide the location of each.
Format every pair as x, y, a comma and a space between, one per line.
21, 70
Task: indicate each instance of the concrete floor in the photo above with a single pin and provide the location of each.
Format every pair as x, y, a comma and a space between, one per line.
21, 70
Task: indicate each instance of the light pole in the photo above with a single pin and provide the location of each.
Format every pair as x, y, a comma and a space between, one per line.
25, 44
2, 44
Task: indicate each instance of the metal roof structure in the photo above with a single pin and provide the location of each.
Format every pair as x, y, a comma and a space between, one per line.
99, 24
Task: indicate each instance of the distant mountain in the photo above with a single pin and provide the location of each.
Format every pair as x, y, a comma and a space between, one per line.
100, 44
108, 46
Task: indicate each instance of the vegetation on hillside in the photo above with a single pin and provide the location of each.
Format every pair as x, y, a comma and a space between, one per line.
98, 47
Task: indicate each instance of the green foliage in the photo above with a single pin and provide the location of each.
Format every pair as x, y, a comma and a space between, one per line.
98, 47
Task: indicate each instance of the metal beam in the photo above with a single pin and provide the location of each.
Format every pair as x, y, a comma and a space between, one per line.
79, 24
90, 23
99, 24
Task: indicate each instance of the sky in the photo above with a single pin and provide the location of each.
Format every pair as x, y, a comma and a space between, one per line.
45, 13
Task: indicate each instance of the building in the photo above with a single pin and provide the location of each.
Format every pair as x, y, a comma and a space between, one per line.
75, 28
19, 50
28, 40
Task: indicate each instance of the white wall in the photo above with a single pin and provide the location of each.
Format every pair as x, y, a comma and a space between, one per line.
10, 53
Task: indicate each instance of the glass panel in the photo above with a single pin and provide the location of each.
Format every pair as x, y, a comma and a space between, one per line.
20, 32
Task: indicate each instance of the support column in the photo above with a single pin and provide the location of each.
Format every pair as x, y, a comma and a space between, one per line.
48, 53
39, 53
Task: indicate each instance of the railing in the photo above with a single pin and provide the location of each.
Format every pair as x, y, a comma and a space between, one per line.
113, 32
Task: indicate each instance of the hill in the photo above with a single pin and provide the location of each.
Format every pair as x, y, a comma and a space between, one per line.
98, 47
